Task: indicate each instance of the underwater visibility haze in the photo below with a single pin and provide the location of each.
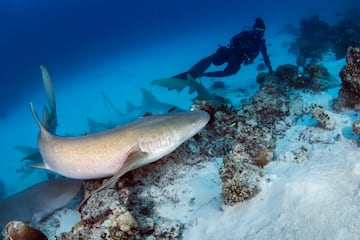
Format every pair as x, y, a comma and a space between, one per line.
112, 62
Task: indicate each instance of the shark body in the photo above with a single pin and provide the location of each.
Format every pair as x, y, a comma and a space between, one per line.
38, 201
202, 92
117, 151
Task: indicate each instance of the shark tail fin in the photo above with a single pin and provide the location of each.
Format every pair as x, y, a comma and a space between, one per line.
43, 130
38, 165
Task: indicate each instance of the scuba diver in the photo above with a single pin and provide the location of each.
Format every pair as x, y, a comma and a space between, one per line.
243, 48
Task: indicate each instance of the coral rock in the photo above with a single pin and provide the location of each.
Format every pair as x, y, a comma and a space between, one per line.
356, 127
349, 94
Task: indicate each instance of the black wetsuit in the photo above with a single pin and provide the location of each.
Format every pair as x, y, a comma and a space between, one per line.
244, 48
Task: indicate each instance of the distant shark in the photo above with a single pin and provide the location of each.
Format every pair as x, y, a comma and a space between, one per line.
150, 105
202, 92
50, 122
38, 201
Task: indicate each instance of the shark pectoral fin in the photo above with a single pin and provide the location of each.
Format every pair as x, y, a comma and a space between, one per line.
135, 154
129, 165
31, 153
36, 157
26, 149
38, 165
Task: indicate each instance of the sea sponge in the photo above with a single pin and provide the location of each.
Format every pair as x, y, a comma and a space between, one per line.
323, 116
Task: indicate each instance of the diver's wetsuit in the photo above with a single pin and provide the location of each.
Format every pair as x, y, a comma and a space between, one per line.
244, 48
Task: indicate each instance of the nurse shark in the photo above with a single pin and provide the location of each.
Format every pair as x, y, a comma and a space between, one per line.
38, 201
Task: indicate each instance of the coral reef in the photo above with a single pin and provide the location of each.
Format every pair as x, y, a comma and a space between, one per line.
289, 76
266, 107
314, 77
246, 148
239, 181
139, 192
244, 138
323, 116
112, 214
313, 41
349, 94
319, 78
346, 33
317, 38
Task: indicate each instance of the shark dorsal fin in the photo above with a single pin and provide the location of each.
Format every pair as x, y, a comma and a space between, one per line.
192, 84
110, 107
148, 97
113, 113
130, 106
43, 131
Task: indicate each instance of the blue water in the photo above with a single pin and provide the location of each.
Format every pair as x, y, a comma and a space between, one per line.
110, 45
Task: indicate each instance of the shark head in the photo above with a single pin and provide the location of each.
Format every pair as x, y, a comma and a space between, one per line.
167, 132
191, 123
